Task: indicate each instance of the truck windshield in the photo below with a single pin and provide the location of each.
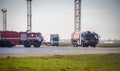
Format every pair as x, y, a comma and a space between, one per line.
38, 35
55, 39
92, 36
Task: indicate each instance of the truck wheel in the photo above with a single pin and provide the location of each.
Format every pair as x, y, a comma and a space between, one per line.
5, 43
75, 44
57, 45
36, 44
2, 43
8, 44
86, 46
27, 43
93, 45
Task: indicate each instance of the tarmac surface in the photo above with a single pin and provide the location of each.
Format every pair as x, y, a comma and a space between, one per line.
20, 51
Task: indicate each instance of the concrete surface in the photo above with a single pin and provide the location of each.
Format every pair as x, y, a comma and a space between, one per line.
20, 51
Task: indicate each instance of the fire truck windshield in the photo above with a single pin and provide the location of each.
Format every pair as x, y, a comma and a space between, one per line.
91, 36
38, 35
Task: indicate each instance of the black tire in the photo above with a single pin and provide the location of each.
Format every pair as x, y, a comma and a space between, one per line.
86, 46
57, 44
5, 43
2, 43
75, 44
27, 43
93, 45
36, 44
8, 44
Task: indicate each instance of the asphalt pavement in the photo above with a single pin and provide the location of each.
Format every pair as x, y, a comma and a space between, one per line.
20, 51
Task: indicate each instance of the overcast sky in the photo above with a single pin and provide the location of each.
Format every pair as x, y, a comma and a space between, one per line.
57, 16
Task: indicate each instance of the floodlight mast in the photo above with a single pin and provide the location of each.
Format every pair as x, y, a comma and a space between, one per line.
29, 15
4, 11
77, 15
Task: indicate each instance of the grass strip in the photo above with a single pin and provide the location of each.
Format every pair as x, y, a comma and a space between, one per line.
83, 62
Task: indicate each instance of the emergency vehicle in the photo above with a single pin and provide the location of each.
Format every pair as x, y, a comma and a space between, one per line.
13, 38
84, 39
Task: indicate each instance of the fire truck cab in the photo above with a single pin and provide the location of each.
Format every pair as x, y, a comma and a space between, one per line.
12, 38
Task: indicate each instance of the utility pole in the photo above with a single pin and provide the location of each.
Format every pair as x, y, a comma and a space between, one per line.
4, 11
77, 15
29, 15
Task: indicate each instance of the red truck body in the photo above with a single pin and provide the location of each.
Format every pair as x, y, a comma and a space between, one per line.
84, 39
12, 38
75, 36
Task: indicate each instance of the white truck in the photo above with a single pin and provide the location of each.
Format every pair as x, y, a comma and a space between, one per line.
54, 39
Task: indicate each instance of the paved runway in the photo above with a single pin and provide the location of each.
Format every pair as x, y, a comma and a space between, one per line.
48, 51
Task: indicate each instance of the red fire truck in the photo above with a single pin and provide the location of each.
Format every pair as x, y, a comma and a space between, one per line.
84, 39
12, 38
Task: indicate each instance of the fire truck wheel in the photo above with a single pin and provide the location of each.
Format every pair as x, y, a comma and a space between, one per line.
2, 43
93, 45
27, 43
5, 43
8, 44
75, 44
36, 44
